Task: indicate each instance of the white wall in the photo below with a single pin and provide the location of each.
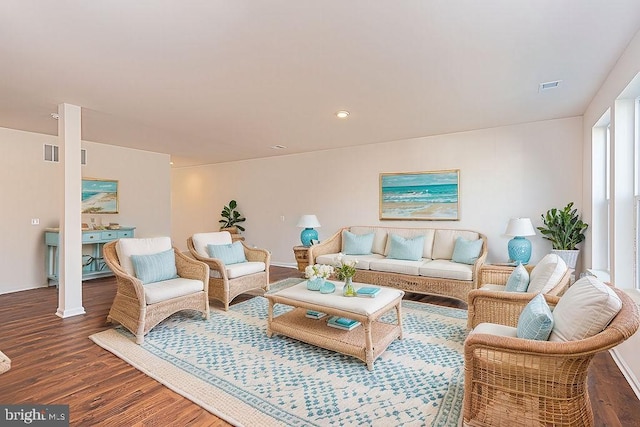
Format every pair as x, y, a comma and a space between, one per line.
519, 170
30, 188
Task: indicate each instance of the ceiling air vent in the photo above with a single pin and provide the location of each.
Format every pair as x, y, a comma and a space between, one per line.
548, 85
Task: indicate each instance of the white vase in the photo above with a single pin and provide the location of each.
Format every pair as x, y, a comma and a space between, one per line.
570, 257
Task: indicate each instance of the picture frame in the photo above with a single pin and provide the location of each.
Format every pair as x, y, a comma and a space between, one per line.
432, 195
99, 196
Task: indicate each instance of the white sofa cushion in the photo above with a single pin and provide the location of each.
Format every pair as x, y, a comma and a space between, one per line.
446, 269
363, 260
495, 329
546, 274
243, 269
379, 238
168, 289
445, 241
397, 266
202, 240
139, 246
584, 310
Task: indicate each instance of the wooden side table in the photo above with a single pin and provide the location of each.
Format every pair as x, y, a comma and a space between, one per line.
302, 258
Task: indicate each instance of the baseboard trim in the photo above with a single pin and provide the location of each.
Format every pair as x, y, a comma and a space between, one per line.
285, 264
626, 371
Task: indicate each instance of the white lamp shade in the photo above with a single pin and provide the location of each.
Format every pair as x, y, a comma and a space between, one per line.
520, 227
308, 221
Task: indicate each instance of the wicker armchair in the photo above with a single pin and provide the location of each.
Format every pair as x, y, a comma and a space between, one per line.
499, 274
518, 382
130, 307
228, 281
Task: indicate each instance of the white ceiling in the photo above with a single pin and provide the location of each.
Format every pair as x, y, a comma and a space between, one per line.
213, 81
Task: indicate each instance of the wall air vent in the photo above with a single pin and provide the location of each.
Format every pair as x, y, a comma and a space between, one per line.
51, 153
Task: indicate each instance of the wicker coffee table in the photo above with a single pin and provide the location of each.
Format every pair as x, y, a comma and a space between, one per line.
366, 342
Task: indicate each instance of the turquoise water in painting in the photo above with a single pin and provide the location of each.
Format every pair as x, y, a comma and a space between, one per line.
436, 193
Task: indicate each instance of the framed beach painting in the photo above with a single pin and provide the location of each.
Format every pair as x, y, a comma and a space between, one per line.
99, 196
420, 195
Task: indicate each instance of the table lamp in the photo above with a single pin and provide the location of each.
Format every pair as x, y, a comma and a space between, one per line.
308, 234
519, 247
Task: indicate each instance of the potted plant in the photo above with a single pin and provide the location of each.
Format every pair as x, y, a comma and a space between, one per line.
230, 218
565, 230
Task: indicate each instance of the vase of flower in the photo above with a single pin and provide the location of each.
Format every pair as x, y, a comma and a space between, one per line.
348, 290
317, 275
345, 270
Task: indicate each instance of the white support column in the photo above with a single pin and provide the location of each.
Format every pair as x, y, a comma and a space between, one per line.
70, 274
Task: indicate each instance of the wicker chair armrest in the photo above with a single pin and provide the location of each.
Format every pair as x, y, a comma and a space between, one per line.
128, 284
190, 268
503, 308
257, 254
332, 245
478, 265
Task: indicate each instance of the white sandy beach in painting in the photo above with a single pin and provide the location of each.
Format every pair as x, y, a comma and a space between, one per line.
100, 202
414, 210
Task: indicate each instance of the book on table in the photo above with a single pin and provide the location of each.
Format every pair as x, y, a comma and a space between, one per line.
342, 323
368, 291
312, 314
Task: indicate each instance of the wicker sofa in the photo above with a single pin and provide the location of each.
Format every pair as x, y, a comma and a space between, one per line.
435, 273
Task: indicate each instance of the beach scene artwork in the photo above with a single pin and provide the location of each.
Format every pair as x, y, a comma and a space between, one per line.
420, 195
99, 196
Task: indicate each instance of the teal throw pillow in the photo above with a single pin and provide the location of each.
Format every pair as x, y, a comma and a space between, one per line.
535, 321
155, 267
518, 280
407, 249
230, 253
357, 244
466, 251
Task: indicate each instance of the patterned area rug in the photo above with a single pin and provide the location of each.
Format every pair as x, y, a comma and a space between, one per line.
229, 367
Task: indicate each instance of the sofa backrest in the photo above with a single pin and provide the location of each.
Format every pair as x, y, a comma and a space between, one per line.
438, 243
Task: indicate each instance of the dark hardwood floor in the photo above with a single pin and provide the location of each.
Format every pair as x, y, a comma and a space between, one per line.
54, 362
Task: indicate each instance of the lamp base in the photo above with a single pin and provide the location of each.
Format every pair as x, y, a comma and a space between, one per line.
519, 250
307, 235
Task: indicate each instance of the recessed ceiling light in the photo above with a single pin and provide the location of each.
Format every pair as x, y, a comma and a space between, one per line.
278, 147
342, 114
548, 85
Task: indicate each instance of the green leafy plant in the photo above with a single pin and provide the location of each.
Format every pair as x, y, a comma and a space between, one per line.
563, 227
231, 217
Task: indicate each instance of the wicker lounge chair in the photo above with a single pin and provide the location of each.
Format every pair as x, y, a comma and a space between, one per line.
518, 382
130, 307
228, 281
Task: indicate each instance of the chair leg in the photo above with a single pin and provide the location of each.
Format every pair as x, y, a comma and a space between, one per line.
139, 339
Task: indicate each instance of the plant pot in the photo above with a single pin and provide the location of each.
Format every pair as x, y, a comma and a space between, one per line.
232, 230
570, 257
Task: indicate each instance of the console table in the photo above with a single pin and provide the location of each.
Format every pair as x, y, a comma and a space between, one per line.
93, 266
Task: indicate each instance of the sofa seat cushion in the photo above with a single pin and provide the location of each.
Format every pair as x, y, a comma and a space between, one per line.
492, 287
445, 269
399, 266
364, 261
495, 329
240, 269
168, 289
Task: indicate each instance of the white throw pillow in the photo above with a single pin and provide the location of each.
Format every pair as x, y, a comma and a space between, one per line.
584, 310
139, 246
546, 274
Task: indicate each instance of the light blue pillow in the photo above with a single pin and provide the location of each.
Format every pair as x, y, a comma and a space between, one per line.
407, 249
356, 244
535, 321
230, 253
466, 251
518, 280
155, 267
